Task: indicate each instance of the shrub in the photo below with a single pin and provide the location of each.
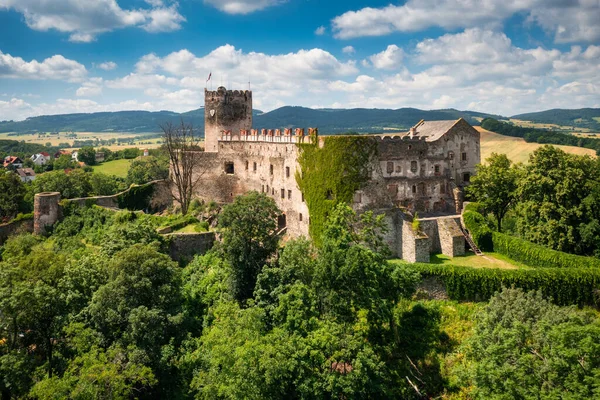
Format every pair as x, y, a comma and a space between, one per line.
479, 230
564, 286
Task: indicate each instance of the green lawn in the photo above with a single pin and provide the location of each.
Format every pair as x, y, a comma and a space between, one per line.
488, 260
117, 167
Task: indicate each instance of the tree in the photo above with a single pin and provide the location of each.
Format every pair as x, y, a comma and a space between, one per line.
104, 185
147, 169
63, 162
526, 347
182, 145
87, 154
12, 195
495, 185
249, 239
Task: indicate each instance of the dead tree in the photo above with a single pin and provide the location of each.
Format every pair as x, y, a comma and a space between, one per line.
183, 144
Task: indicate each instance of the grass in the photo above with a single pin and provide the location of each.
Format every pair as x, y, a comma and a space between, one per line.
488, 260
517, 149
117, 167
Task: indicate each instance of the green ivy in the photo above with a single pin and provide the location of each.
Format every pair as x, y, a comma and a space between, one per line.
331, 174
565, 286
136, 198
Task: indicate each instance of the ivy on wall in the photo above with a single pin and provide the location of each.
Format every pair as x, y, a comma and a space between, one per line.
331, 174
136, 198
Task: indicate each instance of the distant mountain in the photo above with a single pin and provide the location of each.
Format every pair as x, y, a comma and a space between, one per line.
327, 120
580, 118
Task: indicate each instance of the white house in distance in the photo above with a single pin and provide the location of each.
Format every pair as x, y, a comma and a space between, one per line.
74, 155
40, 158
26, 174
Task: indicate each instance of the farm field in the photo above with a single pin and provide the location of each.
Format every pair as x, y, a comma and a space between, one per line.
117, 167
517, 149
56, 140
537, 125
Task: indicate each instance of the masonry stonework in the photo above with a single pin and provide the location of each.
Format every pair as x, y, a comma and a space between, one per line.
46, 211
423, 170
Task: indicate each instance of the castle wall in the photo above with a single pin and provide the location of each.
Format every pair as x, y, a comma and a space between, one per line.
46, 211
261, 166
15, 228
229, 110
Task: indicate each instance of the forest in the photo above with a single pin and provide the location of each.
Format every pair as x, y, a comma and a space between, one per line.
99, 310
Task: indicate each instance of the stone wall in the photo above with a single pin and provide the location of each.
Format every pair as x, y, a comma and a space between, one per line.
187, 245
46, 211
15, 228
432, 288
452, 240
229, 110
160, 199
415, 247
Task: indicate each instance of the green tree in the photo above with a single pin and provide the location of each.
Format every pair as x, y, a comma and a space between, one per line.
525, 347
494, 185
147, 169
12, 195
63, 162
249, 239
72, 185
87, 154
103, 184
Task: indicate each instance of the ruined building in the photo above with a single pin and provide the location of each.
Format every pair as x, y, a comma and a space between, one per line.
422, 170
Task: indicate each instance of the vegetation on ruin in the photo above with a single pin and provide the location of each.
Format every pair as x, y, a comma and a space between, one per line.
331, 174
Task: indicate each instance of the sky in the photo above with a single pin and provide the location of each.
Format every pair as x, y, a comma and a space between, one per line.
503, 57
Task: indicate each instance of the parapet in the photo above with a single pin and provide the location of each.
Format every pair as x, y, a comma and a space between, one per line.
222, 93
268, 135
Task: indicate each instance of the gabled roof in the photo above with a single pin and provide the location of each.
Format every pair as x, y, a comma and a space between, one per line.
45, 154
9, 160
25, 172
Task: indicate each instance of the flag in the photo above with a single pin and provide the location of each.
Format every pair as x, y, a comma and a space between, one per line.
209, 75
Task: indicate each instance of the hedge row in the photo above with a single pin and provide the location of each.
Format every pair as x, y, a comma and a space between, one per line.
539, 256
579, 286
518, 249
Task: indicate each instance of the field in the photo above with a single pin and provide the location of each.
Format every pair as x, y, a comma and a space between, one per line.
529, 124
517, 149
488, 260
118, 167
56, 140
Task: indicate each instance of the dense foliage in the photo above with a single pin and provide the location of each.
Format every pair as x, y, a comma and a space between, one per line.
12, 196
331, 174
565, 286
542, 136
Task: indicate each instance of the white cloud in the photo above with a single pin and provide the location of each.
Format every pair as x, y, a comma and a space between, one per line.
320, 31
348, 50
91, 88
108, 65
55, 67
390, 58
242, 6
85, 19
569, 21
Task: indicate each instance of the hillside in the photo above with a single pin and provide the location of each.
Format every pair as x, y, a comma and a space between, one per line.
581, 118
517, 149
328, 120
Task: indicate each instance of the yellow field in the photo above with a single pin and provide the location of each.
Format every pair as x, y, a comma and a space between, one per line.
55, 140
517, 149
529, 124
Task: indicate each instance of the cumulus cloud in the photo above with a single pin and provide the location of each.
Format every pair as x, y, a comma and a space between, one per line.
55, 67
84, 19
242, 6
320, 31
390, 58
348, 50
572, 21
108, 65
91, 88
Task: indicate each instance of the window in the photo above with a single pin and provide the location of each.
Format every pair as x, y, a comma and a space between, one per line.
451, 155
287, 172
271, 169
302, 195
272, 191
464, 157
436, 170
466, 177
398, 169
358, 197
247, 163
390, 167
283, 193
229, 168
262, 189
254, 166
414, 189
300, 217
267, 189
413, 166
289, 194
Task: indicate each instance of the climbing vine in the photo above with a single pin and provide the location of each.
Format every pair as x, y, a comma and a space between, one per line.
331, 174
136, 198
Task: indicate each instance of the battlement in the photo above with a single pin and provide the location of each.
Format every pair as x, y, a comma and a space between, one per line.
269, 135
222, 93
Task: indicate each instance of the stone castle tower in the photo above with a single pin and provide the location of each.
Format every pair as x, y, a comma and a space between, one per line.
225, 111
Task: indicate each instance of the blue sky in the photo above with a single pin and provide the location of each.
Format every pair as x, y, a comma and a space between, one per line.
504, 57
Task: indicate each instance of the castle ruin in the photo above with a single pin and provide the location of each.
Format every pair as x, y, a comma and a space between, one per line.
420, 171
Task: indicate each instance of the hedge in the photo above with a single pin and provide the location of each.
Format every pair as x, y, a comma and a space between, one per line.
518, 249
579, 286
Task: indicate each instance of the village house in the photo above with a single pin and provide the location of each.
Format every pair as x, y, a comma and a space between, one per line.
12, 162
41, 158
26, 174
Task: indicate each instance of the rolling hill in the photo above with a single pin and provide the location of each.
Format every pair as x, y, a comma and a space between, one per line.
327, 120
581, 118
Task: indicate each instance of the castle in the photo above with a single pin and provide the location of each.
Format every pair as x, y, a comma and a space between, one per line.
420, 171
